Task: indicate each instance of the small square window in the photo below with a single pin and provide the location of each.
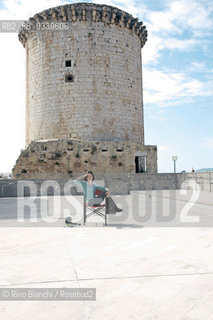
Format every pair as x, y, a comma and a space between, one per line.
68, 63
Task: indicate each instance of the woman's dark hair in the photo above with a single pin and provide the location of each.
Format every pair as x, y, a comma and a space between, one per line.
93, 177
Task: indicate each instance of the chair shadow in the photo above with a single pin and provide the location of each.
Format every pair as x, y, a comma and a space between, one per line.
122, 225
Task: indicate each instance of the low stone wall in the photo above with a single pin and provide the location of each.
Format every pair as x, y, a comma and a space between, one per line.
117, 185
170, 181
69, 158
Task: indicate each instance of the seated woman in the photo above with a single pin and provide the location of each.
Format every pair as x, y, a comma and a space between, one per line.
96, 194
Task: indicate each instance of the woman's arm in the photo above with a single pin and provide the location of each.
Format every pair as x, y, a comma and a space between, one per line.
104, 189
81, 177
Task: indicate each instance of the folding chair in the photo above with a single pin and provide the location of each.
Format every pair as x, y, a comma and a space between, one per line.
99, 209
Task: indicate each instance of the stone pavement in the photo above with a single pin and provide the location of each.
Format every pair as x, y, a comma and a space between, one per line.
139, 272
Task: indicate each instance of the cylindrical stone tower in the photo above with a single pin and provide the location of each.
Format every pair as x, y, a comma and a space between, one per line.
84, 96
84, 74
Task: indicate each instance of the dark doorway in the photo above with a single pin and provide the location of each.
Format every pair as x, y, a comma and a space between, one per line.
140, 164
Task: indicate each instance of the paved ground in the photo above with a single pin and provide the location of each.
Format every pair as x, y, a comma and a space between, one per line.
150, 269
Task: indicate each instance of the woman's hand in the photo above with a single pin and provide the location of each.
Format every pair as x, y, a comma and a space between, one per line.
107, 193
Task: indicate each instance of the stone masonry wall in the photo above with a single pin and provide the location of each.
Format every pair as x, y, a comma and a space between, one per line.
141, 181
68, 158
103, 99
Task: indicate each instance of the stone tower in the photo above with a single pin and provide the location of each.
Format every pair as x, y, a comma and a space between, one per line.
84, 99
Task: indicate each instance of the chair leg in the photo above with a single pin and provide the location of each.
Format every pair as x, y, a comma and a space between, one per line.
107, 205
95, 211
85, 217
106, 210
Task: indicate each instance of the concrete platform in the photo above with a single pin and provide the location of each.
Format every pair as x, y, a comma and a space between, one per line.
140, 270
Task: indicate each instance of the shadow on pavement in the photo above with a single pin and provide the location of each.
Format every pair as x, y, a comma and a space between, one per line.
120, 225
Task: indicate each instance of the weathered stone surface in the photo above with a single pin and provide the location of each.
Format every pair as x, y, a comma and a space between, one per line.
84, 97
104, 99
55, 159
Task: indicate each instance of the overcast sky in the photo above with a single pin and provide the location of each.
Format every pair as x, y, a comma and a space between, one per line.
177, 79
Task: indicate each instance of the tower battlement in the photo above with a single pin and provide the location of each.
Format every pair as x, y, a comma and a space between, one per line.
87, 12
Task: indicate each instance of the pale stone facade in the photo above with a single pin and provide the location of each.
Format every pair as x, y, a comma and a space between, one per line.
84, 81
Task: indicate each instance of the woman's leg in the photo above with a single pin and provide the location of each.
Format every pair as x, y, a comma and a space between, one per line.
98, 200
111, 206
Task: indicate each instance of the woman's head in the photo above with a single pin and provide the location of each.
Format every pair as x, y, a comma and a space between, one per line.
90, 176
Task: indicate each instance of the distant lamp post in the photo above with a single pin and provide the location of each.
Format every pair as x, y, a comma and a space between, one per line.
174, 158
